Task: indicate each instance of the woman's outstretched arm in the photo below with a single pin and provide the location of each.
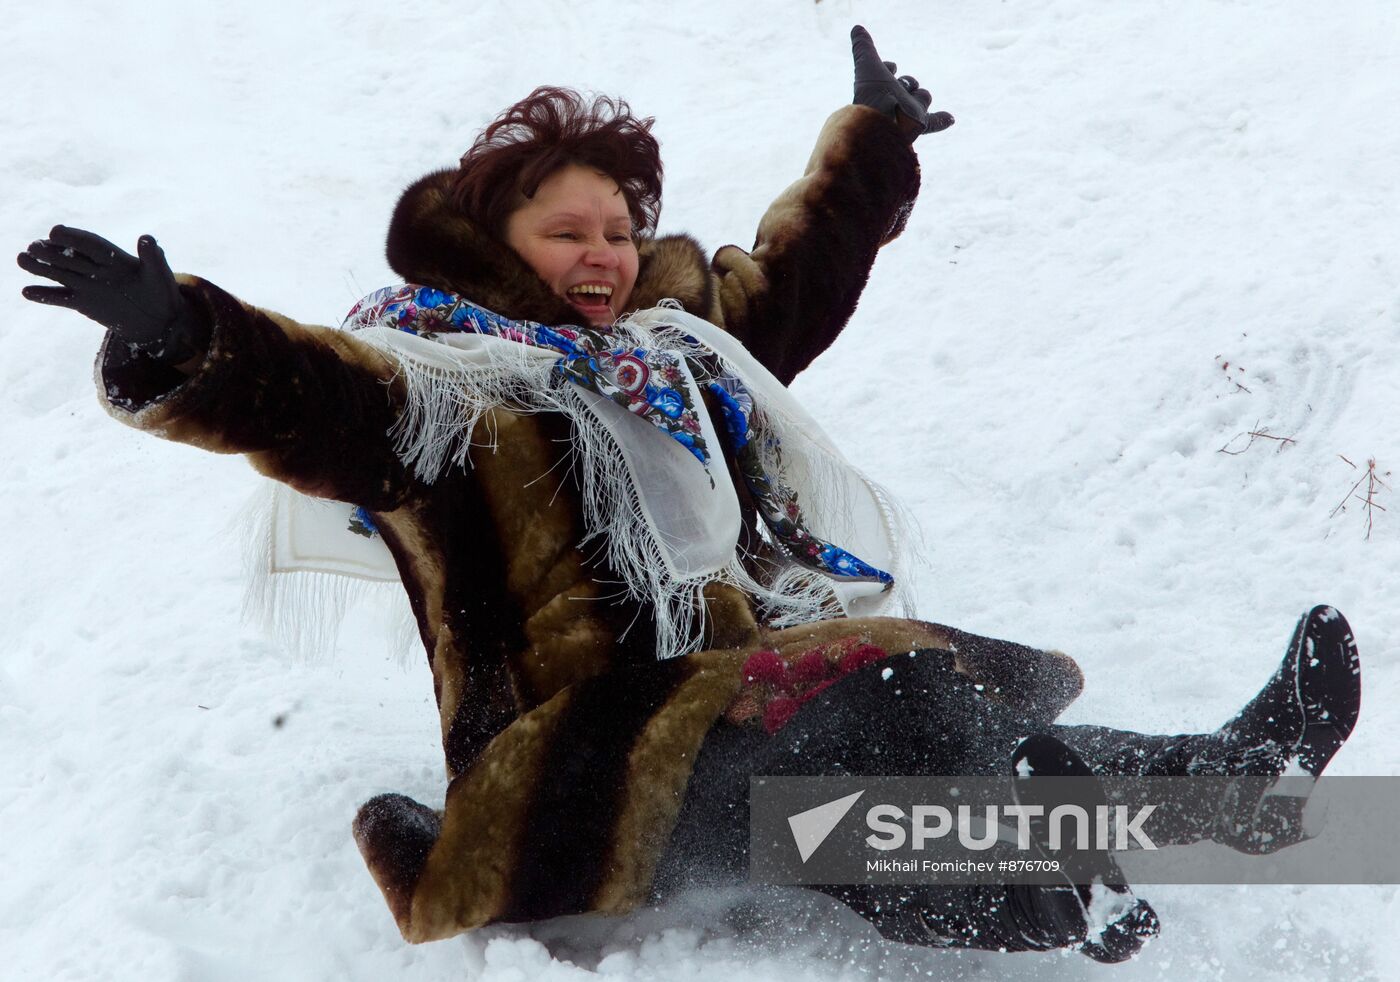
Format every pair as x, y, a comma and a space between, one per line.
310, 406
788, 298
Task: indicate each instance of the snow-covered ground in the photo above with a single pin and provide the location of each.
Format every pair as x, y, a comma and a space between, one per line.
1155, 228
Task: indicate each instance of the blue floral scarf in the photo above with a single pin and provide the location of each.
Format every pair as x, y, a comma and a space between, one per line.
647, 383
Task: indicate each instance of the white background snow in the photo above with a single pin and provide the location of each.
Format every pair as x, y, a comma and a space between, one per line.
1154, 228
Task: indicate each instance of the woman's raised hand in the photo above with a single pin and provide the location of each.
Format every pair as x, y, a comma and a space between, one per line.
135, 297
901, 98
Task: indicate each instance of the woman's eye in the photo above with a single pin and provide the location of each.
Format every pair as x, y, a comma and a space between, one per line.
620, 238
565, 236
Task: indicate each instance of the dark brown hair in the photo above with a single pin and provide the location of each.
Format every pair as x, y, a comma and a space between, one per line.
551, 128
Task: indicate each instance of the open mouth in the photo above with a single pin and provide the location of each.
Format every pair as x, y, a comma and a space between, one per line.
594, 299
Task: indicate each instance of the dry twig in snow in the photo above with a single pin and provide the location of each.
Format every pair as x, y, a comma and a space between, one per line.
1258, 433
1374, 485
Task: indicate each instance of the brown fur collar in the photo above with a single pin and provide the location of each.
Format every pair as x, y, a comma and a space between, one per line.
432, 243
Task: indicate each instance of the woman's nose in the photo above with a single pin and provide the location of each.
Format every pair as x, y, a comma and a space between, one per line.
601, 254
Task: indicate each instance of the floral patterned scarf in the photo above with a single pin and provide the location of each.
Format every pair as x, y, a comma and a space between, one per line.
648, 382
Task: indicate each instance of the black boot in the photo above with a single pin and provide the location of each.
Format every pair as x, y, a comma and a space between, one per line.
1092, 911
1291, 729
1095, 906
1299, 719
1309, 708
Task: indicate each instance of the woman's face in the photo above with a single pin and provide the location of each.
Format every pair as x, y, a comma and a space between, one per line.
576, 233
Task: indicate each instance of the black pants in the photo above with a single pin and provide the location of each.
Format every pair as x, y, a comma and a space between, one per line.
905, 715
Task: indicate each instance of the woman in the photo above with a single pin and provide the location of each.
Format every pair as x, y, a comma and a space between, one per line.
569, 747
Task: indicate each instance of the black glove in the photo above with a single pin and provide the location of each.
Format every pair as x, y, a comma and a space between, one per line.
137, 299
899, 98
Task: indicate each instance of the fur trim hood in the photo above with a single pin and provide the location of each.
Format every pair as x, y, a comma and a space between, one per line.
431, 242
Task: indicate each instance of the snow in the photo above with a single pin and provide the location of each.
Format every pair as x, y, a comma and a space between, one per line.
1106, 908
1154, 230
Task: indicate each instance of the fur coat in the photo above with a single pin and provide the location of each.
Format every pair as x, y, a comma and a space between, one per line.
568, 746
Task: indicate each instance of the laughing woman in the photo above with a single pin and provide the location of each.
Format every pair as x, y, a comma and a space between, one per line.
703, 578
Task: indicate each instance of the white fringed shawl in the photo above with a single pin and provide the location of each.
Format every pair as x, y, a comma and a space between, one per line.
663, 526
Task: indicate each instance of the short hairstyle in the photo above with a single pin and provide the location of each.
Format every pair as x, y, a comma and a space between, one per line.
552, 128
